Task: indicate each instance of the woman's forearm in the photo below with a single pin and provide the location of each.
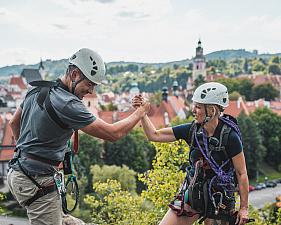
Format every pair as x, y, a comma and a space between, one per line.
243, 183
148, 127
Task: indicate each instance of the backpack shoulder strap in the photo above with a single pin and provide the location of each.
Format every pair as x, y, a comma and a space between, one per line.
44, 97
191, 133
224, 134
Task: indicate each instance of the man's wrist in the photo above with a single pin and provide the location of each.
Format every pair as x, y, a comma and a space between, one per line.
244, 207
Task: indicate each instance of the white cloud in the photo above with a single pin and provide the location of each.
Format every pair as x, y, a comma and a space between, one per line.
143, 30
19, 56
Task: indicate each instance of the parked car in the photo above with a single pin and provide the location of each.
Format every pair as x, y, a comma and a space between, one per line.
260, 186
278, 180
270, 184
251, 188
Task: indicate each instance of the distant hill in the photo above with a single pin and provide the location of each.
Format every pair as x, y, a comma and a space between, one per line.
58, 67
235, 54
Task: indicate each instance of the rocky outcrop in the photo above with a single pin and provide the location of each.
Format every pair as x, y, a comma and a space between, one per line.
71, 220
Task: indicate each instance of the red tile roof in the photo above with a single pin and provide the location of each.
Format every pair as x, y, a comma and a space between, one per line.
108, 116
275, 80
236, 107
17, 80
7, 153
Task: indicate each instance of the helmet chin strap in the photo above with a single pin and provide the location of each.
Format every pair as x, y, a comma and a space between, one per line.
74, 84
208, 118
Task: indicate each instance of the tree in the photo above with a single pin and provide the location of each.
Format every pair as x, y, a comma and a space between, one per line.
134, 150
123, 175
246, 66
275, 59
266, 91
231, 84
200, 80
252, 144
111, 205
269, 124
88, 146
233, 96
156, 98
258, 66
245, 87
274, 69
166, 176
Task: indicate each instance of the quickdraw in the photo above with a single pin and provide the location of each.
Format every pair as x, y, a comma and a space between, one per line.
71, 188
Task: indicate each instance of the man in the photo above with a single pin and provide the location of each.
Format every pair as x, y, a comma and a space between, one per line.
42, 126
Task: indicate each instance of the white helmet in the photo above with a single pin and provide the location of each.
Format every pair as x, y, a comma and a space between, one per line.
211, 93
90, 63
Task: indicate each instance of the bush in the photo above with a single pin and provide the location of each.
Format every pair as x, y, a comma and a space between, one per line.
123, 175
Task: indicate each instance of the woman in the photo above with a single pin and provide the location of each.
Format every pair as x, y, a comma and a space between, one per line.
216, 158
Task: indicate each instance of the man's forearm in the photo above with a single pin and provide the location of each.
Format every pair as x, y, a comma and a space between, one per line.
124, 126
244, 190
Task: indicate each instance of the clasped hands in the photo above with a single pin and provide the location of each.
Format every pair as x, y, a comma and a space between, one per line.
139, 102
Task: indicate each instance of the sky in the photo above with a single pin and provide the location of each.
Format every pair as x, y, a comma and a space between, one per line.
135, 30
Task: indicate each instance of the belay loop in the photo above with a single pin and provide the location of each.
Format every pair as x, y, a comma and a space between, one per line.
71, 186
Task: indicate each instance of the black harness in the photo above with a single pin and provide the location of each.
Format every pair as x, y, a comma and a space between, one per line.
43, 99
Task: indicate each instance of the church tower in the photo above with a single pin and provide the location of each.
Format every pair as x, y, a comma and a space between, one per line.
199, 63
42, 70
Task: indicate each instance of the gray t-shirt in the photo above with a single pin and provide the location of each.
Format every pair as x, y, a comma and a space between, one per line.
41, 136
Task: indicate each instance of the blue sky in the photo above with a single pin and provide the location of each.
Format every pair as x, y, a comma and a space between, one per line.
135, 30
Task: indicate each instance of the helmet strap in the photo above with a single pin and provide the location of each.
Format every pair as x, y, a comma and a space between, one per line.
207, 118
74, 84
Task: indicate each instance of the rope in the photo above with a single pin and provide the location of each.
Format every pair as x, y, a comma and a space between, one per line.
222, 178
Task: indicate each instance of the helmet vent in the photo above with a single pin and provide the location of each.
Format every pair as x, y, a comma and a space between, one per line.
95, 68
224, 100
73, 57
203, 96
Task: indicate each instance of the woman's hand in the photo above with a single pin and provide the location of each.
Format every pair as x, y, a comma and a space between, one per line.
242, 216
138, 101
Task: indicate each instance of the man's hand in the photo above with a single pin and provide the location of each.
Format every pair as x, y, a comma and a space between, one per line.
138, 101
242, 216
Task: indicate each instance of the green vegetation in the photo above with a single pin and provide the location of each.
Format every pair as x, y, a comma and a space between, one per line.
111, 204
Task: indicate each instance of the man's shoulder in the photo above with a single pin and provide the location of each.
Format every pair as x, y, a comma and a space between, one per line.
59, 97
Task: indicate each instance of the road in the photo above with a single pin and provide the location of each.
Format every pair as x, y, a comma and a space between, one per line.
260, 197
257, 199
